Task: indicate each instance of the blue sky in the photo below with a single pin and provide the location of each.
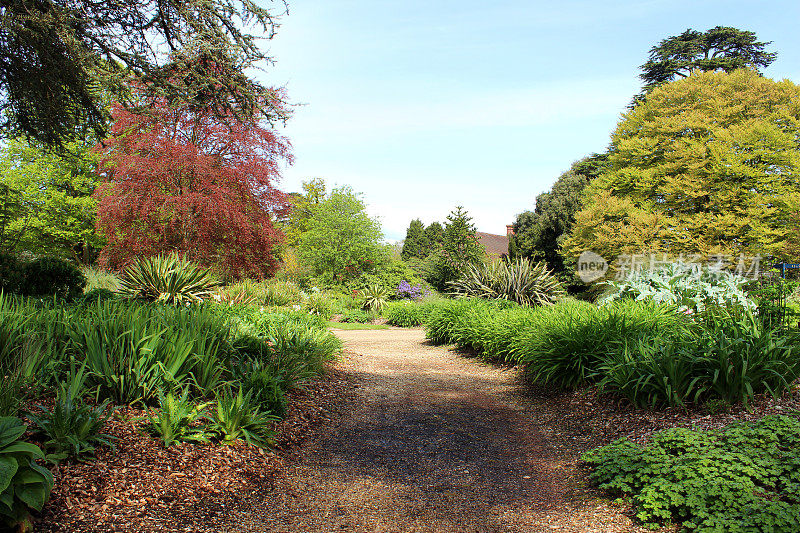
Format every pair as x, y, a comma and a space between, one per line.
422, 106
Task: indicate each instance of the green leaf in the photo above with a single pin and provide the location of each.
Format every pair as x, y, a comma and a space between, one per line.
25, 448
32, 495
8, 468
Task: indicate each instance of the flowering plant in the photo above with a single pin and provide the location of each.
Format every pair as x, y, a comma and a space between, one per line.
406, 291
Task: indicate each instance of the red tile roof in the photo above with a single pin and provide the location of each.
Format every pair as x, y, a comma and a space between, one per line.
496, 245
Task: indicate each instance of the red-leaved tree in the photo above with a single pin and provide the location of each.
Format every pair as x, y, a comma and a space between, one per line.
182, 180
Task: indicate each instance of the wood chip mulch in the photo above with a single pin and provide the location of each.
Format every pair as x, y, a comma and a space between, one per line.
140, 486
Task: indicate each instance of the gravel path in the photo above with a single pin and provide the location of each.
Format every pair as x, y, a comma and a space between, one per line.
432, 441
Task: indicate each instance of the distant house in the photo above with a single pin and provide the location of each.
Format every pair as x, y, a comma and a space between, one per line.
496, 245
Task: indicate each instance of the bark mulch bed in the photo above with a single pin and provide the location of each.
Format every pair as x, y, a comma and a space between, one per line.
344, 430
140, 486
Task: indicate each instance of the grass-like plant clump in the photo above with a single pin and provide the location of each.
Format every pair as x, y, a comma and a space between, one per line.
654, 355
568, 341
407, 314
741, 478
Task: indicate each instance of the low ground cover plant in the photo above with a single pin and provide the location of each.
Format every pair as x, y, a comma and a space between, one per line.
745, 477
359, 316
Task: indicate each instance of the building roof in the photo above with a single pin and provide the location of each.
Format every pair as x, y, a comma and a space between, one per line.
496, 245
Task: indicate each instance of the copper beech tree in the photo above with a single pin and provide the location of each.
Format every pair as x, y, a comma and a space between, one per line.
178, 179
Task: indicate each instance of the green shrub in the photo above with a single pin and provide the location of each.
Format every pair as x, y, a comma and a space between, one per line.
50, 276
299, 353
168, 279
10, 273
12, 394
100, 279
132, 350
178, 419
25, 350
407, 314
266, 384
568, 341
504, 330
728, 358
743, 358
270, 293
295, 344
443, 317
238, 416
24, 485
72, 428
518, 281
745, 477
97, 295
357, 315
469, 329
653, 372
281, 293
318, 304
390, 275
445, 321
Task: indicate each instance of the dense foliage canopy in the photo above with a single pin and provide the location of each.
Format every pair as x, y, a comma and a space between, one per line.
179, 180
62, 58
539, 233
342, 241
718, 49
708, 164
46, 204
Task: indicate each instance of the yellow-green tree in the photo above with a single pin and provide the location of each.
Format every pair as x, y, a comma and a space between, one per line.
709, 164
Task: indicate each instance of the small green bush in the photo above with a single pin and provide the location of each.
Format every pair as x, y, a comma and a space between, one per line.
265, 383
745, 477
518, 281
96, 295
132, 350
407, 314
178, 419
71, 427
318, 304
51, 276
683, 286
728, 358
10, 273
100, 279
443, 324
443, 317
357, 315
374, 299
238, 416
24, 485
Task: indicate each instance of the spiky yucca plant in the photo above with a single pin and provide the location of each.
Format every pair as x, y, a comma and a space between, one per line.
519, 281
169, 279
375, 298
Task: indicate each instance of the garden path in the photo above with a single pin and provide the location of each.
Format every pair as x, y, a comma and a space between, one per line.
432, 441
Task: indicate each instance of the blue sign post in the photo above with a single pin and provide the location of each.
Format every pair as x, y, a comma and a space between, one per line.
784, 266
